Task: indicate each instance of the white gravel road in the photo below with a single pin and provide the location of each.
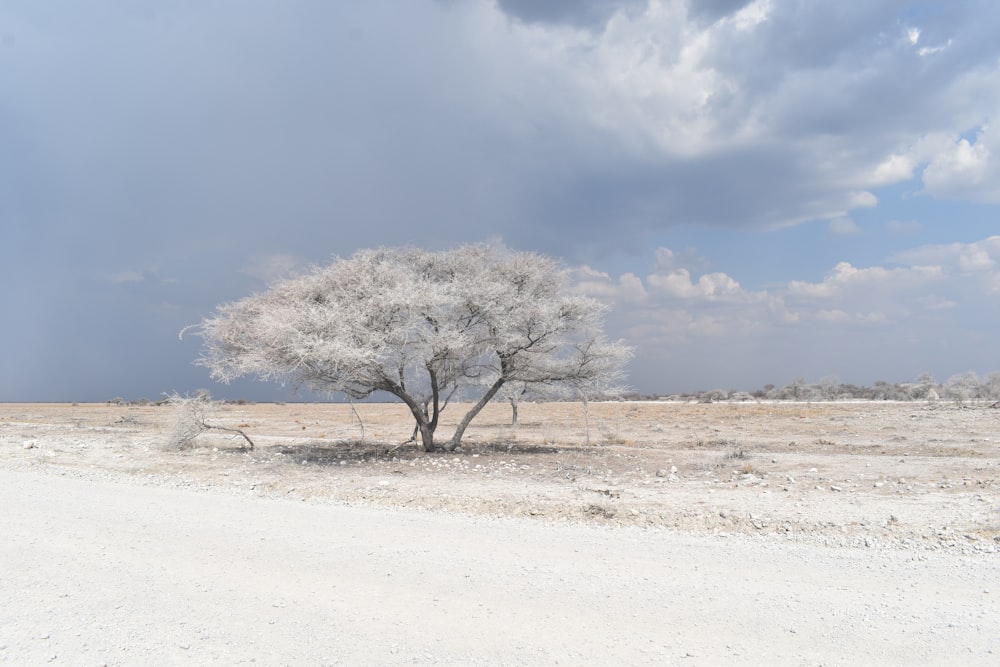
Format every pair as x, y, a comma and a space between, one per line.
97, 572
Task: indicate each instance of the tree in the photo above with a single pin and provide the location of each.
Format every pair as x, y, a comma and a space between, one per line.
519, 391
422, 326
796, 390
964, 387
514, 392
991, 386
829, 387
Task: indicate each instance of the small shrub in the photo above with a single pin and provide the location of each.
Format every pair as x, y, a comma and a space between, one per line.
189, 423
610, 435
189, 420
601, 510
736, 453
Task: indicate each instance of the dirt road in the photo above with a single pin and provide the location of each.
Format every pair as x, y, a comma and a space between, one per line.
97, 572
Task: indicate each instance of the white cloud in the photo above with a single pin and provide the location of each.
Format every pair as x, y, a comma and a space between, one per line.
846, 278
752, 15
991, 284
712, 286
632, 288
862, 199
862, 321
668, 281
600, 285
977, 260
931, 50
926, 285
670, 305
967, 169
954, 257
893, 169
844, 227
666, 259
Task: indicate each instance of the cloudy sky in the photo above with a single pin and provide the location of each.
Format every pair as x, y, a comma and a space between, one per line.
761, 190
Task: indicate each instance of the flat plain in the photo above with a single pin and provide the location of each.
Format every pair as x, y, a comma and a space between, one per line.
650, 533
927, 473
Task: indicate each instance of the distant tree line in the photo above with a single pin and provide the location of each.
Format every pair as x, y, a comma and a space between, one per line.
171, 400
962, 388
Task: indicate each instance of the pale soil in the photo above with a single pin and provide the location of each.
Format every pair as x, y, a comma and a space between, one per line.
882, 472
745, 533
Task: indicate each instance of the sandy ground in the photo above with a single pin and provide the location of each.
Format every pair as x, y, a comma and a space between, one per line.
682, 534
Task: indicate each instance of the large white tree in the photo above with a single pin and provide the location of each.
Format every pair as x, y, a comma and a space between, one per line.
423, 326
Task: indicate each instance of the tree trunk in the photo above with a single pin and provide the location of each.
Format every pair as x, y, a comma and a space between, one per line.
424, 425
416, 424
456, 439
427, 437
513, 411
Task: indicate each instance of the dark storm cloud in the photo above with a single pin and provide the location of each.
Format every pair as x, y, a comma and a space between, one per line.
724, 190
298, 125
246, 119
709, 11
179, 144
594, 14
581, 13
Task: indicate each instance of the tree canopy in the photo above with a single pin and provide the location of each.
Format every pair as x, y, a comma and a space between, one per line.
424, 326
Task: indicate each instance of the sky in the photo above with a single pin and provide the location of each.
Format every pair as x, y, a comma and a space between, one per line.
759, 190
